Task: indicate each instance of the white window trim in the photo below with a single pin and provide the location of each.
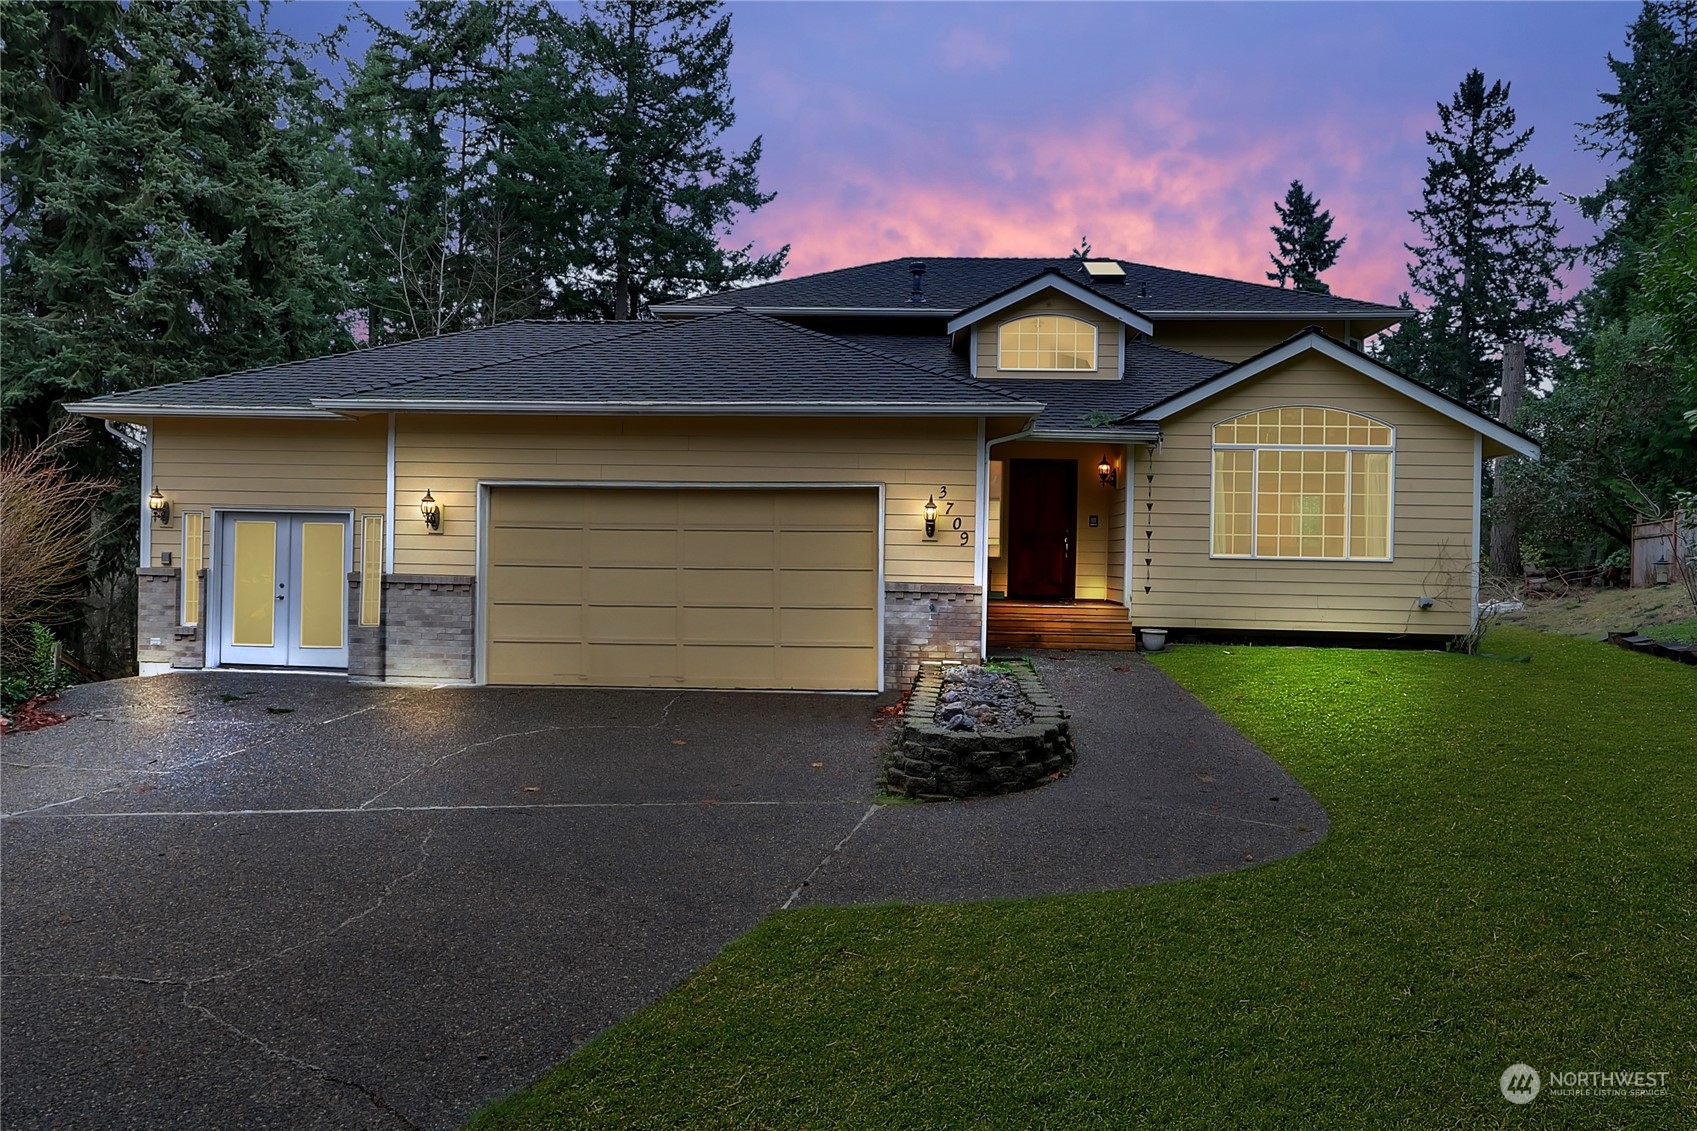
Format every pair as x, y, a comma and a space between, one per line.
1001, 346
1255, 490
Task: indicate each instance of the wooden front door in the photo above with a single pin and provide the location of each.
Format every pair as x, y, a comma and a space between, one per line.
1043, 528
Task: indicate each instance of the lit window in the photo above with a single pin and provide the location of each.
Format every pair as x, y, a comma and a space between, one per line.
1047, 341
1302, 483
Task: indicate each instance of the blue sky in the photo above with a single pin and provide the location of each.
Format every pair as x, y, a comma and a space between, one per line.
1163, 131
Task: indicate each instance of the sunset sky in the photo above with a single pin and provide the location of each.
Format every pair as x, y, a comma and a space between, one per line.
1162, 131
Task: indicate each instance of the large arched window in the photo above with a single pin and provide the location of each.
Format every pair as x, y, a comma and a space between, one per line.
1047, 341
1302, 482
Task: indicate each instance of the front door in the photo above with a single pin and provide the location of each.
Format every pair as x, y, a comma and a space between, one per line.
284, 592
1042, 528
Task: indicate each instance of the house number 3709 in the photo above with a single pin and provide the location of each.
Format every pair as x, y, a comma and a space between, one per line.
956, 523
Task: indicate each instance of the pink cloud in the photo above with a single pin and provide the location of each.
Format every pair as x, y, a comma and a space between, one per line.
970, 47
1151, 185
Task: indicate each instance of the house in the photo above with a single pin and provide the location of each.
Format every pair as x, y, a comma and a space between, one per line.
814, 483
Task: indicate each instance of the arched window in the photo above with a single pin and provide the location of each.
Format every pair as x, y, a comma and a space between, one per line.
1047, 341
1302, 482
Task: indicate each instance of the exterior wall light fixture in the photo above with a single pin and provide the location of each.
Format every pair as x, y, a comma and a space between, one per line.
432, 512
931, 517
160, 506
1108, 473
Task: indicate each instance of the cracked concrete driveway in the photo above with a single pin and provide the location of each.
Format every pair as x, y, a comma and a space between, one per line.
255, 900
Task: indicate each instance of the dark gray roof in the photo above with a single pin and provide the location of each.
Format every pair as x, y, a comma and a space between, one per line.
953, 284
1152, 374
293, 385
732, 359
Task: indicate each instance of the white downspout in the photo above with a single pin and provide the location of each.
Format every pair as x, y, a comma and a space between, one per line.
146, 540
389, 505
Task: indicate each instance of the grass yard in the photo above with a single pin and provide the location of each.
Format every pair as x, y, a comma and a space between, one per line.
1511, 875
1663, 612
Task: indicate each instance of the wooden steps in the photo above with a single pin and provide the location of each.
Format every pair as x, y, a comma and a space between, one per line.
1063, 625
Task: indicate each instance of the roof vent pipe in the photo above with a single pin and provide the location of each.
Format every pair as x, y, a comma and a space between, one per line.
918, 270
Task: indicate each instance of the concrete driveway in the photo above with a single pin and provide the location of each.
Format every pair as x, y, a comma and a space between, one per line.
285, 901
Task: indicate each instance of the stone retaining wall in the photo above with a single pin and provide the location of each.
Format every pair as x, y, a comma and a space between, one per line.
931, 762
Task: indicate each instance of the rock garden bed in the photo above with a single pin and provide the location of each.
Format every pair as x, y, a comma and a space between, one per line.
971, 731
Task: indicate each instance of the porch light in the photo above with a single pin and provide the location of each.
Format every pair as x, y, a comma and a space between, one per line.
1664, 570
160, 506
432, 512
931, 517
1108, 473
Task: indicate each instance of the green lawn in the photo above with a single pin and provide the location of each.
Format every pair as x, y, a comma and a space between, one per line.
1511, 875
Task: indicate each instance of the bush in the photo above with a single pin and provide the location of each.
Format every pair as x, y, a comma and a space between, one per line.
45, 516
38, 673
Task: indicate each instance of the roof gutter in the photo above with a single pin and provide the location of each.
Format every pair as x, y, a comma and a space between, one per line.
1395, 312
264, 412
696, 408
807, 311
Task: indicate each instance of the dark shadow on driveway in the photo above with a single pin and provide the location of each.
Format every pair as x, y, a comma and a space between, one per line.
254, 900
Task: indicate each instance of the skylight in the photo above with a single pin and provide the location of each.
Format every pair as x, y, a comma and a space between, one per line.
1104, 270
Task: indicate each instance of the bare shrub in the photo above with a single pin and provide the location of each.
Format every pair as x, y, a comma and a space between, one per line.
46, 512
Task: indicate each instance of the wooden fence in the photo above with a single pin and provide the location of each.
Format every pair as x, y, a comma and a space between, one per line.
1663, 540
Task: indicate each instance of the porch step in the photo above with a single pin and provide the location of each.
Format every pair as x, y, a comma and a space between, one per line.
1099, 625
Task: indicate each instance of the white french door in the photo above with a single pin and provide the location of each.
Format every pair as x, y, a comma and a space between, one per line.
284, 596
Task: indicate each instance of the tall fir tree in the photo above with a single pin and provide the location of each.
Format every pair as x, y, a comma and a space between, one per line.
1644, 128
1491, 259
1303, 239
660, 76
162, 194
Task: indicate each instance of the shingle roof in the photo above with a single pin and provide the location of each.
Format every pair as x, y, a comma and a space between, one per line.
294, 385
1152, 374
953, 284
735, 359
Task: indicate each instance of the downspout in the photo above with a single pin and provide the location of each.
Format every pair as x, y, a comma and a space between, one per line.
144, 540
389, 506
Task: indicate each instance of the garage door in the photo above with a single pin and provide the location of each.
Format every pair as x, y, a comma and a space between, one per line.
629, 587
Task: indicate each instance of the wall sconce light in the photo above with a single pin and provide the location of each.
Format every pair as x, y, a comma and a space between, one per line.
432, 512
931, 517
160, 506
1664, 570
1108, 473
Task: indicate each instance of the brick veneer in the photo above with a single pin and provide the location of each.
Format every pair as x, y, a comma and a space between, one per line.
429, 626
159, 613
929, 621
365, 642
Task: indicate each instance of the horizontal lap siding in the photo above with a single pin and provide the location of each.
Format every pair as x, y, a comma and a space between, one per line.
266, 464
1107, 338
1432, 515
913, 458
1233, 341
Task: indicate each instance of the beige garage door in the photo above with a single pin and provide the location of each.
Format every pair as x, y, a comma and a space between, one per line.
631, 587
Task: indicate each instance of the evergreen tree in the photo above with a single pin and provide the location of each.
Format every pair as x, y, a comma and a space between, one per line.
1644, 127
1304, 244
161, 198
1491, 258
659, 70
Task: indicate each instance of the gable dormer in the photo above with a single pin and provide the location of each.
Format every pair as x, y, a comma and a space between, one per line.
1048, 327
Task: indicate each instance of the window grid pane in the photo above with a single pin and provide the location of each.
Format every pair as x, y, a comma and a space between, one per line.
371, 570
1047, 341
194, 543
1370, 505
1308, 488
1234, 492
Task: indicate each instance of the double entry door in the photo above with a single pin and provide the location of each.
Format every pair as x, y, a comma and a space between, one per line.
284, 594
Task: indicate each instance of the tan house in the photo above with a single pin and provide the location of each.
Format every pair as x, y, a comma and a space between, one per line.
813, 484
